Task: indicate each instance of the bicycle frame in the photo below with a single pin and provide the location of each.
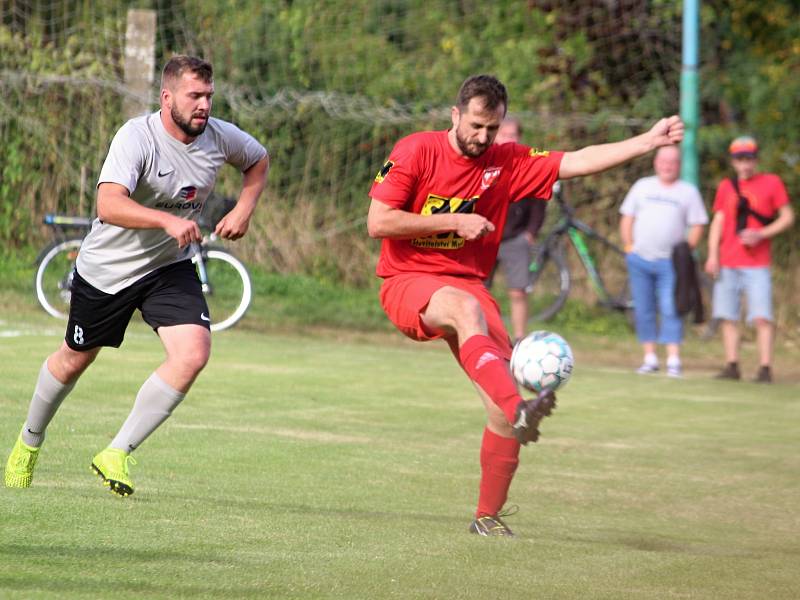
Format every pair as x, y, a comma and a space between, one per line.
577, 232
577, 229
200, 263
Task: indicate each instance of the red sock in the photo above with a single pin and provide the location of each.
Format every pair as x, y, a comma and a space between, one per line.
481, 359
499, 460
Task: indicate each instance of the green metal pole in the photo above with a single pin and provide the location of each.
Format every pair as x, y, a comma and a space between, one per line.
690, 96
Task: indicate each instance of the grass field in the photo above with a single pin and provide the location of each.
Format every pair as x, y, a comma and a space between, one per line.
323, 466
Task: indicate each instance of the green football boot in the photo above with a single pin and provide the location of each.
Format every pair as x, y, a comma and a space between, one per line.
111, 465
19, 468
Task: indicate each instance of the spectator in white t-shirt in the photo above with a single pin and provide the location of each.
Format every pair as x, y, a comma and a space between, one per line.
656, 214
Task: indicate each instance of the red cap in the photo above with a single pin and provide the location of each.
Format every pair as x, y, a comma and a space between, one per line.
743, 147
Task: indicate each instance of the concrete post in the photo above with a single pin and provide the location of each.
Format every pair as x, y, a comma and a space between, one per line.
140, 62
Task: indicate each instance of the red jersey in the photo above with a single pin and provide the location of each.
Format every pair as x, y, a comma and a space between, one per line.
766, 194
425, 175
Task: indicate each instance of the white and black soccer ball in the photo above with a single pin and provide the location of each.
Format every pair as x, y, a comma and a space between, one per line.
542, 360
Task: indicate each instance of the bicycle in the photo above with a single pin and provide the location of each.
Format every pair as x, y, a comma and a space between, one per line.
551, 276
224, 279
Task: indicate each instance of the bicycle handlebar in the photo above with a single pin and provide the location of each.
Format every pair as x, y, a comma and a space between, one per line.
566, 209
66, 220
55, 220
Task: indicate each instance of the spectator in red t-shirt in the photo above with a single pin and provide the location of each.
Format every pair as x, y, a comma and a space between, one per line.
439, 203
749, 210
523, 222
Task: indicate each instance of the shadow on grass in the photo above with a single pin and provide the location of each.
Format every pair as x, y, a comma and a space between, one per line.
649, 542
266, 507
102, 571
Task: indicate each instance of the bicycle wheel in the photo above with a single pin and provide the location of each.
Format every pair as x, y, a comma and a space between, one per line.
227, 288
550, 282
53, 279
608, 276
616, 287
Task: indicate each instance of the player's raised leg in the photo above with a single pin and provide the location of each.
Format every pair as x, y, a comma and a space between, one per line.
458, 311
56, 379
483, 351
188, 348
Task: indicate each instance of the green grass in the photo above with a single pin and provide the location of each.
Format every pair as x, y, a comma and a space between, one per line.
332, 466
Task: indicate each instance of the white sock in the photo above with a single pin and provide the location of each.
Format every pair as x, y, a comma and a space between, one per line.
674, 362
47, 397
154, 404
650, 359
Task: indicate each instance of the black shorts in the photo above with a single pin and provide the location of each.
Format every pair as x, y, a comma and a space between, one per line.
169, 295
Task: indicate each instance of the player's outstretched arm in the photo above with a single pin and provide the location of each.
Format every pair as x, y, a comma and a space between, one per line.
594, 159
236, 223
384, 221
115, 207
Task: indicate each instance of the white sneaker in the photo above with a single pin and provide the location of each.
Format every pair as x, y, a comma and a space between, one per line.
674, 371
647, 369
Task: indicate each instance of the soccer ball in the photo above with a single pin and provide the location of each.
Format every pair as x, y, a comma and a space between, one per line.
542, 360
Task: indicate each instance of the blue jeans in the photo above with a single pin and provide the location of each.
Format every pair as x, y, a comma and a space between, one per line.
653, 291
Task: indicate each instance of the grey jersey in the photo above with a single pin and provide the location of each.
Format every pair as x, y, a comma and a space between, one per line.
163, 173
661, 213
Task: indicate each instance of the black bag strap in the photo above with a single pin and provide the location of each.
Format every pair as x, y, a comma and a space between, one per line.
744, 209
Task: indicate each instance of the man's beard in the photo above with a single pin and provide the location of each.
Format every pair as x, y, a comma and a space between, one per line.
471, 150
186, 125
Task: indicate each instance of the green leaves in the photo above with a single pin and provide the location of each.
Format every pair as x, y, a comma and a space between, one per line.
329, 87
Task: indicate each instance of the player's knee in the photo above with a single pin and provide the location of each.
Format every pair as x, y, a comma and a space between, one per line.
195, 359
68, 365
467, 311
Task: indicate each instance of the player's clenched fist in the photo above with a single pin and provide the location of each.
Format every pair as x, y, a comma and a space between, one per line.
667, 131
471, 227
232, 226
184, 231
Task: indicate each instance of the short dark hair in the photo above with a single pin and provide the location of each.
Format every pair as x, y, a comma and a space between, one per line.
487, 87
180, 64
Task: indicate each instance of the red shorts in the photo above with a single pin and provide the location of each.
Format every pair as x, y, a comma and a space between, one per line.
404, 298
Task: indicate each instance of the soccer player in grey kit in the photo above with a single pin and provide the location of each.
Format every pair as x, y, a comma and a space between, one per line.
159, 171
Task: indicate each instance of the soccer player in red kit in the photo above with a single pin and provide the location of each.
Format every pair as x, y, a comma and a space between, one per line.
439, 203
